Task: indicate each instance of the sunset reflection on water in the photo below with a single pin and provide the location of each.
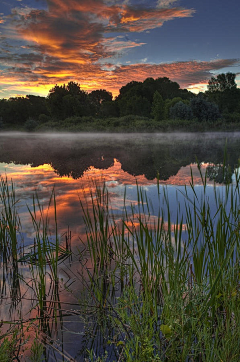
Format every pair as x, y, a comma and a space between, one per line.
70, 192
43, 179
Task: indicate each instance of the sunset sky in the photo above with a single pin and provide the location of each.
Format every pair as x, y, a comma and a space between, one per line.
107, 43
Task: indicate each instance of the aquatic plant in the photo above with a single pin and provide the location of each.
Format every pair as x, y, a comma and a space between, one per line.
151, 289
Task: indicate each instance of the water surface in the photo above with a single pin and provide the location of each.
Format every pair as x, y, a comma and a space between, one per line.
73, 164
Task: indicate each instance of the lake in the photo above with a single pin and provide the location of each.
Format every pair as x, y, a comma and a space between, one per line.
164, 167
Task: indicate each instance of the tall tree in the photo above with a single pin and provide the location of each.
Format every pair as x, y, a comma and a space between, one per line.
222, 82
68, 100
158, 107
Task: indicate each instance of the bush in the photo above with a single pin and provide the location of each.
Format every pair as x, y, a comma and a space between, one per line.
204, 110
43, 118
31, 124
232, 117
181, 111
1, 123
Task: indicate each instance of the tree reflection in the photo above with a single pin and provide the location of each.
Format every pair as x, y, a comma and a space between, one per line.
138, 154
219, 173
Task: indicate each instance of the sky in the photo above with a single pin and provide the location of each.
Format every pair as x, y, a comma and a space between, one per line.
104, 44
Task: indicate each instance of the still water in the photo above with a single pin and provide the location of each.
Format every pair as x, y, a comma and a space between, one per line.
73, 164
70, 163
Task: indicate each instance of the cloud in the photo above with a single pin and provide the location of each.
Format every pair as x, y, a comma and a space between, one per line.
137, 20
165, 3
185, 73
79, 40
78, 30
109, 76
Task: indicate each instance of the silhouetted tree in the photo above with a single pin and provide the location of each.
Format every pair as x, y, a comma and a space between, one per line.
68, 100
222, 82
55, 100
137, 105
97, 98
74, 89
109, 109
101, 95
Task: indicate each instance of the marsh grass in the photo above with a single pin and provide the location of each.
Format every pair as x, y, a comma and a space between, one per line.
152, 289
177, 296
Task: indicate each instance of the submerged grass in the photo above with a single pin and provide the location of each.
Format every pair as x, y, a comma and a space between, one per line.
152, 289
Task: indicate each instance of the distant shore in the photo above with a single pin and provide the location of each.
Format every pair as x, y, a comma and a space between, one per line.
126, 124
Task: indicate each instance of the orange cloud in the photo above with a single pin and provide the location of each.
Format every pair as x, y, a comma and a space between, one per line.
107, 76
74, 40
138, 20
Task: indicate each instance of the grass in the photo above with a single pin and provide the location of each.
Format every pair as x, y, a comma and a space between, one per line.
152, 289
128, 124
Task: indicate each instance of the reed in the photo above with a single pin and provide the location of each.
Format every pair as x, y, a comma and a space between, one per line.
154, 289
180, 295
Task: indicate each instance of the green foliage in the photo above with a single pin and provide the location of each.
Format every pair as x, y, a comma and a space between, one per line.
30, 125
43, 118
137, 313
181, 110
228, 101
158, 110
97, 97
8, 345
232, 117
93, 358
203, 110
155, 290
134, 105
169, 103
37, 351
178, 292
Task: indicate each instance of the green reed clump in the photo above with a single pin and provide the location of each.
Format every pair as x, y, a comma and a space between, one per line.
152, 289
9, 343
43, 259
178, 284
10, 225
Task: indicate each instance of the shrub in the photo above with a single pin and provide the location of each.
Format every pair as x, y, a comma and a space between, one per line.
43, 118
232, 117
204, 110
181, 111
31, 124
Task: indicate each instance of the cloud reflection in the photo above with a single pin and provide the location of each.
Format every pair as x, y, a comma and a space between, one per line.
43, 179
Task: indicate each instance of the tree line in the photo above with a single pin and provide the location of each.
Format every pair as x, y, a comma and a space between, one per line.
158, 99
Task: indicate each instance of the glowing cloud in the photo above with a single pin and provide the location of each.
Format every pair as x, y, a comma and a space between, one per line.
79, 40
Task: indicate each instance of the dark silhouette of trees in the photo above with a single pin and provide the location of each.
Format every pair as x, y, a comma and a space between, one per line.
222, 82
159, 98
100, 96
67, 101
97, 98
17, 110
135, 93
224, 92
